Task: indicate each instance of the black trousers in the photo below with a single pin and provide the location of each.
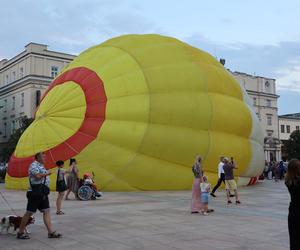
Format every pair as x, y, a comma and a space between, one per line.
294, 230
221, 179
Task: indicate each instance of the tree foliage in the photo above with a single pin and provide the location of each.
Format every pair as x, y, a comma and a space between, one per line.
24, 122
292, 145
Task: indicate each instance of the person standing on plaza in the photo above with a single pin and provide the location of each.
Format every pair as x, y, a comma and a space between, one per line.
73, 179
205, 189
61, 186
37, 197
196, 206
229, 180
221, 176
292, 181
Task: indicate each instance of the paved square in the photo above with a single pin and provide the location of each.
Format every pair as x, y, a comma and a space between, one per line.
160, 220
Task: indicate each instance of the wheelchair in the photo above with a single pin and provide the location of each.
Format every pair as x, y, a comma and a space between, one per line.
85, 192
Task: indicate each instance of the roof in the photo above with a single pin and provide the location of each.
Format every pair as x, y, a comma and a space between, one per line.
294, 115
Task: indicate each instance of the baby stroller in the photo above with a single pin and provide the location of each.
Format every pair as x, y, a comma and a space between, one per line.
87, 188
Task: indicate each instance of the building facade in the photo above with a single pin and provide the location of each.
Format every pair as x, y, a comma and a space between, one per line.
23, 81
288, 124
262, 92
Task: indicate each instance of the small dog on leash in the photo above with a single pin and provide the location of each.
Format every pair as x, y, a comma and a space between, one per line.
13, 221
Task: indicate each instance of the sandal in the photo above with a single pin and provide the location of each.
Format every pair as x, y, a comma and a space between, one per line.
60, 212
23, 236
54, 235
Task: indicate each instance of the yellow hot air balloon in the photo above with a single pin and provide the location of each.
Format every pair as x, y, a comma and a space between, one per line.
136, 110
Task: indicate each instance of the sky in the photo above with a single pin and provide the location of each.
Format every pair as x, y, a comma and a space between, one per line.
255, 37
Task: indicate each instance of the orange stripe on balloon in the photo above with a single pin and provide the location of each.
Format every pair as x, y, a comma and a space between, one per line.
96, 99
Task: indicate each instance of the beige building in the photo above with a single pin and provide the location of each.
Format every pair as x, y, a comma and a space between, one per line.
23, 80
262, 92
288, 124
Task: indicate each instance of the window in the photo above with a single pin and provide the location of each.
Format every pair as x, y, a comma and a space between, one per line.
267, 87
13, 127
269, 120
54, 71
14, 76
37, 98
282, 128
288, 129
5, 129
297, 128
21, 72
5, 105
13, 105
269, 132
22, 99
268, 103
254, 101
6, 78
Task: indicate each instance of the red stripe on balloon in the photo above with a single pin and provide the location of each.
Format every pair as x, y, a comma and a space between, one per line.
96, 99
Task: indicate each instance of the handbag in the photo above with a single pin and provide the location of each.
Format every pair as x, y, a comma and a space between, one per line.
39, 190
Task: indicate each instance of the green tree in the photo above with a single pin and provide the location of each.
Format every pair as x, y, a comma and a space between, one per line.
24, 122
292, 145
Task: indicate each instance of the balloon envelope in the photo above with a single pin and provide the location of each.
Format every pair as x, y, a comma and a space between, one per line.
136, 110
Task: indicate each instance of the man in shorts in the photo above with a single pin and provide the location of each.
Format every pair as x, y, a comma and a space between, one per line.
221, 177
37, 175
230, 183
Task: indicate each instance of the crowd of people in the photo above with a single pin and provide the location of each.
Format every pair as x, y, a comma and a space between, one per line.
278, 170
201, 188
37, 194
38, 191
274, 170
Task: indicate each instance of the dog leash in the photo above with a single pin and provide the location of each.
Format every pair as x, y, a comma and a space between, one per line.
7, 203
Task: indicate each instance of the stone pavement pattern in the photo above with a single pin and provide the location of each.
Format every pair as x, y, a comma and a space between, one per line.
160, 220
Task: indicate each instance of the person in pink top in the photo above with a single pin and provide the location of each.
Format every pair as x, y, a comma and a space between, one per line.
196, 206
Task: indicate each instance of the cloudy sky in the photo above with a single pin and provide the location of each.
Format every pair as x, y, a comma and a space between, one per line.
256, 37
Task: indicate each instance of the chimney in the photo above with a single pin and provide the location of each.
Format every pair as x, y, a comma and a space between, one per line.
222, 61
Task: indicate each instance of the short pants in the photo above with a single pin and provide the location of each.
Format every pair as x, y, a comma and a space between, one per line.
204, 197
37, 203
230, 184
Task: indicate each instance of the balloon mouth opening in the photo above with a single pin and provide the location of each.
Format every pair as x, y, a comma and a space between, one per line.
68, 119
58, 117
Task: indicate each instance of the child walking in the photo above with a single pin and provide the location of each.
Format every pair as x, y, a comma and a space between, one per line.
205, 190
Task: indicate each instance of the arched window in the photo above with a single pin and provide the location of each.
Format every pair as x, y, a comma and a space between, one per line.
267, 86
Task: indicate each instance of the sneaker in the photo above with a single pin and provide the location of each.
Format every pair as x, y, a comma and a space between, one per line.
229, 202
237, 202
213, 195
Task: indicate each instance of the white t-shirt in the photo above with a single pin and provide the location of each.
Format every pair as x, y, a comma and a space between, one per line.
220, 169
205, 187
